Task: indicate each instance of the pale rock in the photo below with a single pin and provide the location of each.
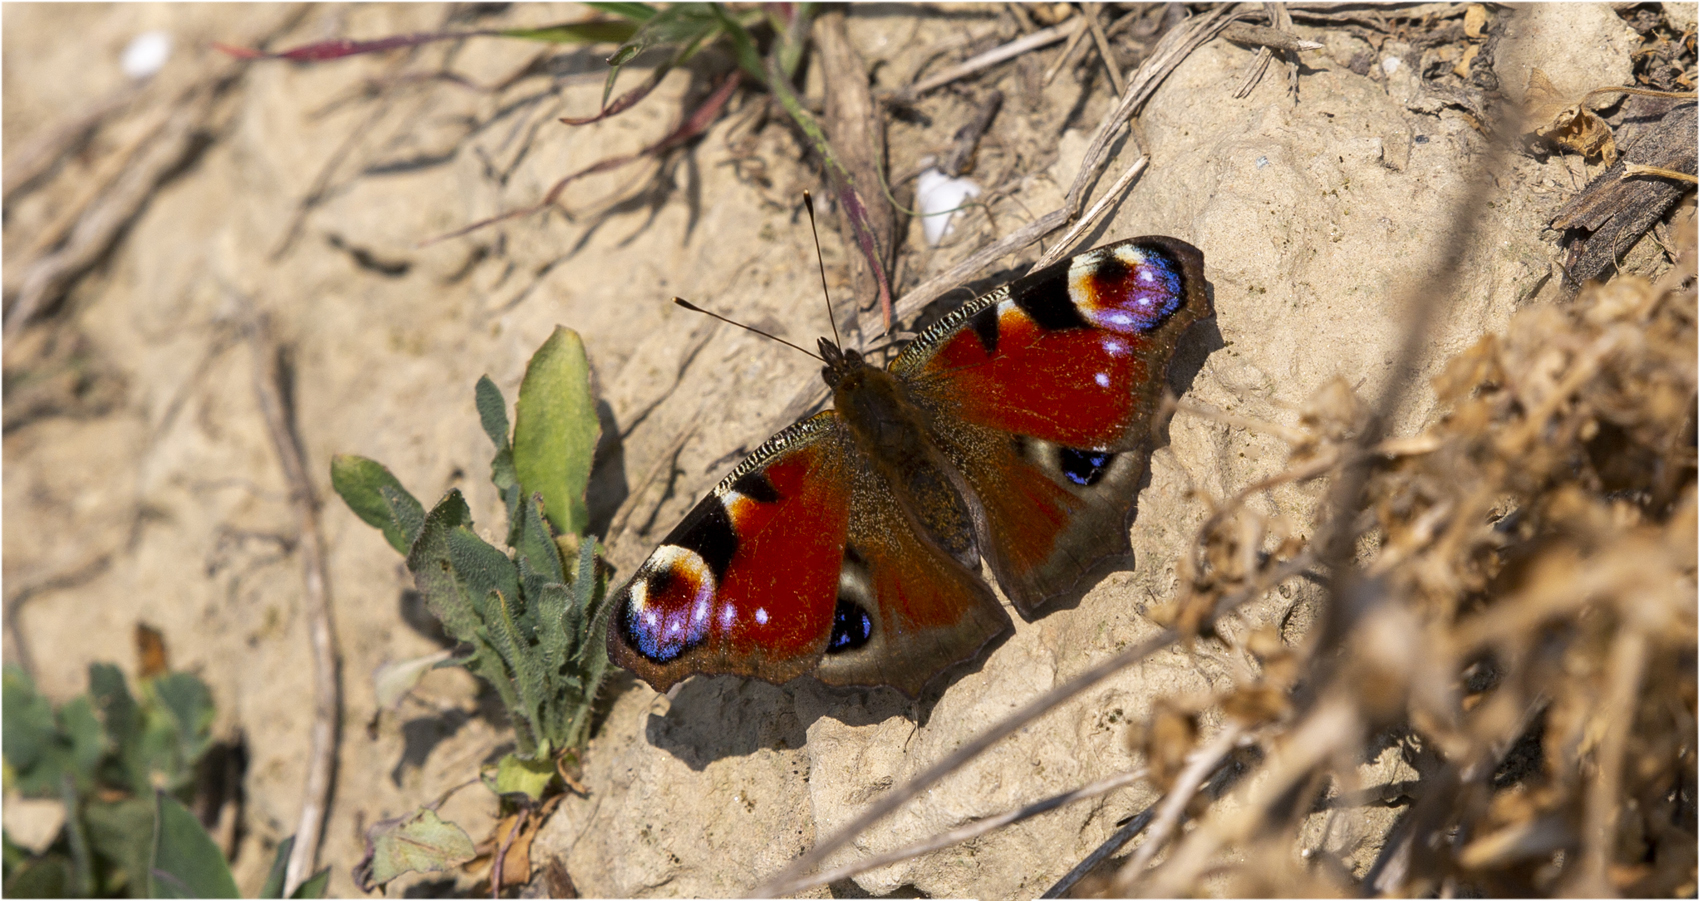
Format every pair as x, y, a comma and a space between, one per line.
1580, 47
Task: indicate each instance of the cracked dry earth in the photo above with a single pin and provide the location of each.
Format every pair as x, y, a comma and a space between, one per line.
140, 485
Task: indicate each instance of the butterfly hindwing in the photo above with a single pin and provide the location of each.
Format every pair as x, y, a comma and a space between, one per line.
1042, 393
908, 605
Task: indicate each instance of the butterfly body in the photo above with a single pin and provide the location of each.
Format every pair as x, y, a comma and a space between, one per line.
1014, 430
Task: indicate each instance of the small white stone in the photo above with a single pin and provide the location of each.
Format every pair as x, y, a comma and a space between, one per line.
1390, 64
936, 196
146, 54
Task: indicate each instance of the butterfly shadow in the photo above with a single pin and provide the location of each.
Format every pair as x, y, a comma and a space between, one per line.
712, 717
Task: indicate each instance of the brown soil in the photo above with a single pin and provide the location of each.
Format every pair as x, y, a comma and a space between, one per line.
141, 485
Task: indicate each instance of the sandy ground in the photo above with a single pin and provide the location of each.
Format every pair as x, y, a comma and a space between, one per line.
140, 485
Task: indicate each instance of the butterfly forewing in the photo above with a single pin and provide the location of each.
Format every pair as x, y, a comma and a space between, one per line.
746, 583
1042, 396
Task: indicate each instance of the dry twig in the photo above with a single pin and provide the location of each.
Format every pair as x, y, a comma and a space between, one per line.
270, 391
986, 60
971, 830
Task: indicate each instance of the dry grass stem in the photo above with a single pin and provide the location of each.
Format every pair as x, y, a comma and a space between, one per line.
270, 391
972, 830
986, 60
1200, 764
1089, 12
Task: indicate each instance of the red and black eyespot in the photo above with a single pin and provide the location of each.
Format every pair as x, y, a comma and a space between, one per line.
665, 609
1130, 289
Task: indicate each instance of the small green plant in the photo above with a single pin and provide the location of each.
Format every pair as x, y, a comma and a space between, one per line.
123, 765
532, 618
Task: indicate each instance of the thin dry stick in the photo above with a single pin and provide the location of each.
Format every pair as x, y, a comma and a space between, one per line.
1038, 707
972, 830
100, 224
1603, 801
1111, 845
1113, 194
41, 150
987, 60
1072, 50
1201, 763
327, 687
1090, 14
1329, 728
1631, 170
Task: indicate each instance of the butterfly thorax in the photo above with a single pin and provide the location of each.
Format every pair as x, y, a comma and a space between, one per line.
892, 434
875, 407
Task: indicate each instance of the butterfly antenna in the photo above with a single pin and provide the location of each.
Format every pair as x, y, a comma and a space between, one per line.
696, 309
809, 202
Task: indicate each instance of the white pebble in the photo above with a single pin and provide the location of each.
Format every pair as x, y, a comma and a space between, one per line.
146, 54
936, 195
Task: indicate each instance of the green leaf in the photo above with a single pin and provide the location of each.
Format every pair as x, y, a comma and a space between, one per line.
677, 24
12, 854
434, 572
313, 886
280, 869
28, 733
535, 545
554, 626
407, 513
522, 660
120, 833
422, 842
481, 568
488, 664
124, 726
492, 411
517, 775
555, 428
45, 877
493, 414
376, 496
186, 862
637, 12
187, 700
88, 740
743, 46
155, 759
597, 32
113, 701
82, 863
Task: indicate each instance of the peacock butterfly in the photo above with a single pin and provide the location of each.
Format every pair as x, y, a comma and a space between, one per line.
1015, 429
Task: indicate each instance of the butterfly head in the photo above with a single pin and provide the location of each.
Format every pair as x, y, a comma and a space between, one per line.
840, 363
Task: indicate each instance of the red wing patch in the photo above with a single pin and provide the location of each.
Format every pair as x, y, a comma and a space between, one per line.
1074, 354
